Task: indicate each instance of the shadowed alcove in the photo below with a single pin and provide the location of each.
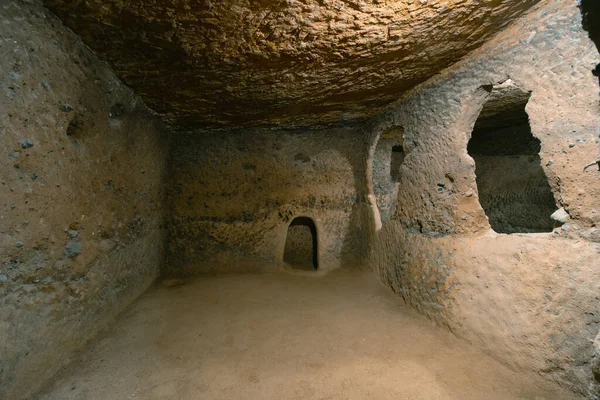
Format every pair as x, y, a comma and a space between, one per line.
301, 245
513, 188
388, 157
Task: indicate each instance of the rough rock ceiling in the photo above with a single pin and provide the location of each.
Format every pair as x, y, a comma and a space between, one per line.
221, 64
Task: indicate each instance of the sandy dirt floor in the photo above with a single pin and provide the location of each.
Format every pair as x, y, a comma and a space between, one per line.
298, 335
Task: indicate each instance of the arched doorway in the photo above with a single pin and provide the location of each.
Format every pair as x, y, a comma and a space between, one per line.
300, 250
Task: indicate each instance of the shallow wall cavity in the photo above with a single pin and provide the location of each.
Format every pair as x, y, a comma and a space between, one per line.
529, 299
233, 196
388, 156
512, 186
82, 167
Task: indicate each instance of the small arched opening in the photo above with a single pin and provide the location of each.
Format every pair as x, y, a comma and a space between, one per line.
300, 250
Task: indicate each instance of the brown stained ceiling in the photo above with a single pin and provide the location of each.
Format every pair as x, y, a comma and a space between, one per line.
222, 64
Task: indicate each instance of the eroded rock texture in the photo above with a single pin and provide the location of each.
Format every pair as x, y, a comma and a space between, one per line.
216, 64
82, 166
84, 173
232, 198
529, 299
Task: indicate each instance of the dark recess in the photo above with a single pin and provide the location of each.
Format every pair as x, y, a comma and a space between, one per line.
397, 160
513, 188
590, 18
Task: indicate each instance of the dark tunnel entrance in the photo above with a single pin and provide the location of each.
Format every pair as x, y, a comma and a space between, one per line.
301, 245
513, 188
590, 19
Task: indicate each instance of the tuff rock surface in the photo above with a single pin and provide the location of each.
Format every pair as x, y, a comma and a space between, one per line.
287, 63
